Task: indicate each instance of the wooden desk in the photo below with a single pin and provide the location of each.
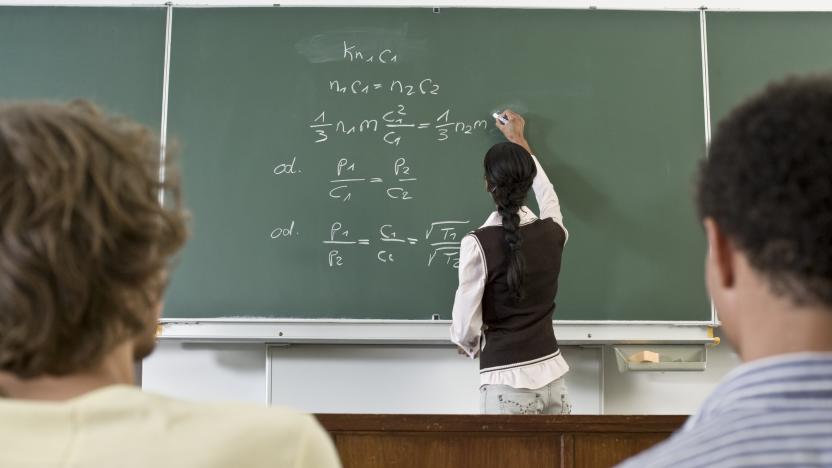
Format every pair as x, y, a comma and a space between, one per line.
485, 441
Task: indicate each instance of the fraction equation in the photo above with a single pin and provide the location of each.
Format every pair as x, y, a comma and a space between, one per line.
440, 243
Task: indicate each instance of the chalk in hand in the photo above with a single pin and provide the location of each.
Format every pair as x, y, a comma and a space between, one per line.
499, 117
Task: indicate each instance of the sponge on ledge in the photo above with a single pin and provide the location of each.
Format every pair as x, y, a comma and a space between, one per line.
645, 356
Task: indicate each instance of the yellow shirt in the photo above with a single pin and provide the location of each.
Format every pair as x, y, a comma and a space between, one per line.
122, 426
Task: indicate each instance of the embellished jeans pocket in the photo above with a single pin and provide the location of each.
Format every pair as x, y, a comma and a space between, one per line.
521, 403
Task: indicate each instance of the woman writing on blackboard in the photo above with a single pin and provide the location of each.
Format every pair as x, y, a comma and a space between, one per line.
508, 279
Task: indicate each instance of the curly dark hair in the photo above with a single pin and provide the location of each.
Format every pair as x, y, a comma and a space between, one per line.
84, 241
767, 183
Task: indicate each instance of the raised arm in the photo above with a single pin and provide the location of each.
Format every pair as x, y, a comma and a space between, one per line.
544, 191
546, 197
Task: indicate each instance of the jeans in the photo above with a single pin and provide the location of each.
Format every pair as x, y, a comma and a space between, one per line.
502, 399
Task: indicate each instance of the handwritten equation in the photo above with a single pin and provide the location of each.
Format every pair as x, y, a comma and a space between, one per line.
442, 239
424, 87
354, 53
392, 124
353, 177
396, 189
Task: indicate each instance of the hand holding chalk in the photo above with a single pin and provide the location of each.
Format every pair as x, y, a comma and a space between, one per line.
512, 125
500, 118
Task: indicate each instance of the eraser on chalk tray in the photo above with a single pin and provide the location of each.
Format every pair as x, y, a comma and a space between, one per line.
645, 356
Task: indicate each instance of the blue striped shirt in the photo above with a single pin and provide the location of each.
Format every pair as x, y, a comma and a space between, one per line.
770, 412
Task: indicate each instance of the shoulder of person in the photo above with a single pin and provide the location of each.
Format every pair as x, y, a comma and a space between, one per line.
244, 417
484, 229
285, 434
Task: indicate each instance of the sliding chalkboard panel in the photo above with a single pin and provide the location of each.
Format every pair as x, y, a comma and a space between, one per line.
111, 56
332, 158
748, 50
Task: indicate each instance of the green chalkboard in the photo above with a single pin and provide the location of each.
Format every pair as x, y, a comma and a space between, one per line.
748, 50
111, 56
615, 113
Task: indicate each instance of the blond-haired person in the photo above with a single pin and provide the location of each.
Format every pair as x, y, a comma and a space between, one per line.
84, 252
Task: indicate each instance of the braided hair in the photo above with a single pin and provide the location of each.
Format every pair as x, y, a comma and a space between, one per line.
509, 173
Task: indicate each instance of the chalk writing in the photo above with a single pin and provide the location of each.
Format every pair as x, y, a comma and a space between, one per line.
284, 232
442, 239
425, 87
345, 169
287, 168
392, 124
387, 175
352, 53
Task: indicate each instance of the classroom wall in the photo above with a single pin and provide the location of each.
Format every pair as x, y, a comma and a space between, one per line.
406, 379
207, 372
342, 378
403, 379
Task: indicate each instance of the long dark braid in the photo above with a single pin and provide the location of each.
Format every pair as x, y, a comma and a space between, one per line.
509, 173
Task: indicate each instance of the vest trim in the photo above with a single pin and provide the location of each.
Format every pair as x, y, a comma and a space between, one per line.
482, 256
521, 364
